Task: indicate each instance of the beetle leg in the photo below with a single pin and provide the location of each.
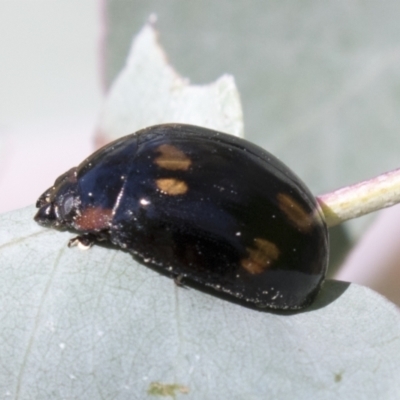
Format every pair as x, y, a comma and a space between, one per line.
84, 242
178, 281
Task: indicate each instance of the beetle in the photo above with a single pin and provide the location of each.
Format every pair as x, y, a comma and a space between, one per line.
211, 210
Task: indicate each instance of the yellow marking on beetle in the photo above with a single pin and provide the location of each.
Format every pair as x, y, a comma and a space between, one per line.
261, 257
172, 158
93, 219
295, 213
172, 186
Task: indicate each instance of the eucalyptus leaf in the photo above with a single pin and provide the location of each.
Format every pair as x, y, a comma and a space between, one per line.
148, 91
95, 324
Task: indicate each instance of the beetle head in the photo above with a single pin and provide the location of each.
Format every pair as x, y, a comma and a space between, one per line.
59, 204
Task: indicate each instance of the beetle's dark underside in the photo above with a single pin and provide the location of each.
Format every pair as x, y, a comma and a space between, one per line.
214, 210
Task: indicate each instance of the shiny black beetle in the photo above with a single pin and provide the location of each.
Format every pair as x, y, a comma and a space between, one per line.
209, 209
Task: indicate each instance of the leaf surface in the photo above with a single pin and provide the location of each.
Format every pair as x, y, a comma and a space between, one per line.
95, 324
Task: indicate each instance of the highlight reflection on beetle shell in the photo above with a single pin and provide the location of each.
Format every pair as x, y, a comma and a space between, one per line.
215, 211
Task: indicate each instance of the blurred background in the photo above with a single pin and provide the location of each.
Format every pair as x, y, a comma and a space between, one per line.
50, 92
319, 84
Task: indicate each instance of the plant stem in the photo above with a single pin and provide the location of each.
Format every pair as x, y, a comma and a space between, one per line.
362, 198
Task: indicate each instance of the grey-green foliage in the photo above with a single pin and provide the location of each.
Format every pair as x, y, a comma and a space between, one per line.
148, 91
95, 324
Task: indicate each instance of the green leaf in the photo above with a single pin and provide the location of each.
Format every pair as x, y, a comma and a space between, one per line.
148, 91
95, 324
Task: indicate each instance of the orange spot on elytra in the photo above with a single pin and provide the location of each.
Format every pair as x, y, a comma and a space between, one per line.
172, 186
172, 158
93, 219
261, 257
295, 213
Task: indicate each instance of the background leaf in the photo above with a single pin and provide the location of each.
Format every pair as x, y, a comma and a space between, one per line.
148, 92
